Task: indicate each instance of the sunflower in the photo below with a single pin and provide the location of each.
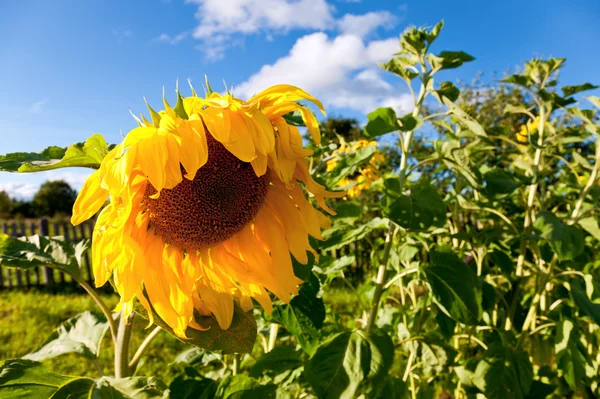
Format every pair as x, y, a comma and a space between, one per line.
366, 177
207, 202
522, 135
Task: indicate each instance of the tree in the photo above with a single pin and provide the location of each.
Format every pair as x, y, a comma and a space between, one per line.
6, 205
54, 197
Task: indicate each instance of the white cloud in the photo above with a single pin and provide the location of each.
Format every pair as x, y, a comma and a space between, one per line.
74, 178
19, 190
221, 21
38, 106
251, 16
362, 25
340, 71
166, 38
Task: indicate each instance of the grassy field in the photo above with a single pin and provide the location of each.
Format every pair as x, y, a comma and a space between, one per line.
28, 317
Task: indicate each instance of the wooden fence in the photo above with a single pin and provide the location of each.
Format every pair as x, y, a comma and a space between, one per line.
13, 278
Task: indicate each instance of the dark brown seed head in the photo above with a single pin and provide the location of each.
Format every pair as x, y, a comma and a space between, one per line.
224, 196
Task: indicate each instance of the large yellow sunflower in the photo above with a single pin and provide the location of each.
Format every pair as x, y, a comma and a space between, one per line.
206, 206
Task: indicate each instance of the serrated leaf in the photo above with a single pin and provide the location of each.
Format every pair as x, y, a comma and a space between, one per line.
80, 334
339, 237
22, 378
381, 121
304, 315
191, 385
586, 306
238, 338
33, 251
455, 286
349, 163
566, 241
591, 226
504, 373
129, 388
571, 90
520, 80
465, 119
570, 355
349, 364
86, 155
244, 387
453, 59
499, 183
280, 359
448, 90
420, 210
502, 260
436, 355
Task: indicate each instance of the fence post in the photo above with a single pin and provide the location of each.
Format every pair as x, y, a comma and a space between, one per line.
47, 272
8, 271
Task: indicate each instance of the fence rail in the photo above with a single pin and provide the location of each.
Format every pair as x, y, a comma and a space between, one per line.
14, 278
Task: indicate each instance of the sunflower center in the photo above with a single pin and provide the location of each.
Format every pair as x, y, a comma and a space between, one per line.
224, 196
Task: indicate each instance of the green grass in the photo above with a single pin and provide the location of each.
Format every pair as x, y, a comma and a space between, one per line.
28, 317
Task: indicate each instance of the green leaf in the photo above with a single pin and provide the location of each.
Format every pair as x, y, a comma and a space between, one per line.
244, 387
446, 324
280, 359
331, 265
238, 338
448, 90
349, 364
520, 80
591, 226
450, 59
571, 355
87, 155
381, 121
420, 210
342, 236
304, 315
22, 378
570, 90
502, 260
539, 390
33, 251
408, 123
455, 286
464, 118
401, 66
80, 334
504, 373
436, 355
566, 241
294, 118
499, 183
586, 306
129, 388
191, 385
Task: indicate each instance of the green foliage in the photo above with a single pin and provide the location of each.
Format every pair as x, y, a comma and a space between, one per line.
54, 197
88, 155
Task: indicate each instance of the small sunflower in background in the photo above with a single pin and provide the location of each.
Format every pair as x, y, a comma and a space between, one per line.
522, 136
367, 176
207, 201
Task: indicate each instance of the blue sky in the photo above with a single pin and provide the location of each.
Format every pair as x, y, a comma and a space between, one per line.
74, 68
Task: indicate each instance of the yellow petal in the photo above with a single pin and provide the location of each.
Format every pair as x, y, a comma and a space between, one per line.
90, 199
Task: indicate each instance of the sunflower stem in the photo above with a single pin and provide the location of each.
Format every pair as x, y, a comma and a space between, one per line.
236, 363
105, 309
274, 330
122, 369
142, 348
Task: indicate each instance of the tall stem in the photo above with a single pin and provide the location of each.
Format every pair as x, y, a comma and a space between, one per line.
273, 331
122, 369
537, 159
590, 183
138, 354
105, 309
392, 229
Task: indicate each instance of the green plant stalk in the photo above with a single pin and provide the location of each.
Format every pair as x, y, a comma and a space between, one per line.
142, 348
122, 369
236, 363
273, 331
531, 193
588, 186
392, 230
105, 310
